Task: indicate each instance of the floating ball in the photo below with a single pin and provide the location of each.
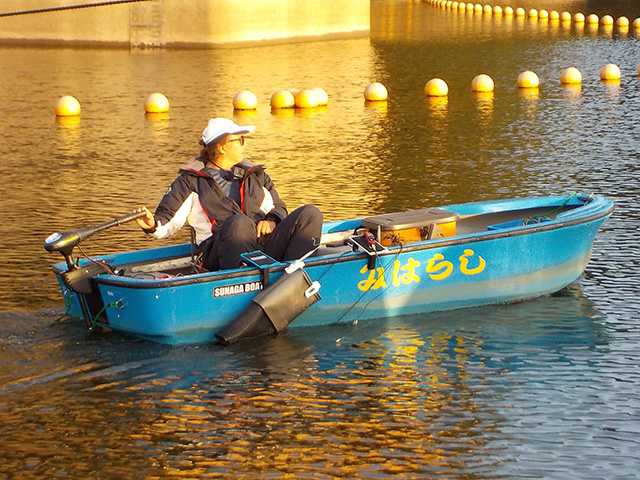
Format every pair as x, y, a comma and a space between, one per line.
508, 10
283, 99
470, 7
570, 76
488, 9
375, 92
533, 13
478, 8
606, 20
543, 14
610, 72
565, 16
578, 17
462, 6
554, 15
497, 10
482, 83
528, 79
520, 12
306, 98
67, 106
245, 100
156, 103
322, 96
636, 24
622, 22
592, 19
436, 87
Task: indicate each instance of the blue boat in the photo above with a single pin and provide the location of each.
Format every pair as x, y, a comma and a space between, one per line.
450, 257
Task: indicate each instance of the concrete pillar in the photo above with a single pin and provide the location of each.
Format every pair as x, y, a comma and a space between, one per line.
179, 23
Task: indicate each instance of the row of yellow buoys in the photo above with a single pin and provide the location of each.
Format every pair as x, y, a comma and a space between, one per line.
284, 98
437, 87
68, 106
578, 18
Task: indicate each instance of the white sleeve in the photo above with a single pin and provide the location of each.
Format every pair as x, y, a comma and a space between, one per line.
178, 220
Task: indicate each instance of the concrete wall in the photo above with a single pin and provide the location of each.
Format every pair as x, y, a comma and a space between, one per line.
181, 23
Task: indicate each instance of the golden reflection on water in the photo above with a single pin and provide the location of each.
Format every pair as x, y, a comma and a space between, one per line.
404, 406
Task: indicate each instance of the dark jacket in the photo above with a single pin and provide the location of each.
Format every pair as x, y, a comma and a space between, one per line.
196, 198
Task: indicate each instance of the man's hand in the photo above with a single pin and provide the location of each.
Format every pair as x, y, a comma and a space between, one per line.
148, 221
265, 227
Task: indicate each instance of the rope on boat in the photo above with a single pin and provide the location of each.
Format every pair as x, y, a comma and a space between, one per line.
359, 299
538, 218
115, 304
69, 7
67, 301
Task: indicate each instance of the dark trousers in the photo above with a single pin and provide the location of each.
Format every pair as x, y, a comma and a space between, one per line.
294, 236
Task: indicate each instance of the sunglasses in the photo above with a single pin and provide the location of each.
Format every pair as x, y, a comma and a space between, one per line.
239, 139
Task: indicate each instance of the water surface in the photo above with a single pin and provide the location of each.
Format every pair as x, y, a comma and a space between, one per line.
540, 389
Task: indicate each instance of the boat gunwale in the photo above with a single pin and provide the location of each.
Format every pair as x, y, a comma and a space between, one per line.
482, 236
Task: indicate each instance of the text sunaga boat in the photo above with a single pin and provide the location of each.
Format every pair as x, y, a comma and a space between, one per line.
380, 266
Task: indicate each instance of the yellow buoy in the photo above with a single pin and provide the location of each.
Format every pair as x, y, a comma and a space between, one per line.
508, 11
554, 15
283, 99
610, 72
593, 18
528, 79
245, 100
482, 83
570, 76
606, 20
454, 5
543, 14
67, 106
578, 17
306, 98
323, 98
470, 6
375, 92
436, 87
520, 12
497, 10
636, 24
462, 6
622, 22
156, 103
533, 13
488, 9
565, 16
478, 8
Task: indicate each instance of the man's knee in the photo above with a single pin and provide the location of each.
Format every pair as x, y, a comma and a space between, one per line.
238, 226
310, 215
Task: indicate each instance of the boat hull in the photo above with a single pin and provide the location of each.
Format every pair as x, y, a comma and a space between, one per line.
505, 262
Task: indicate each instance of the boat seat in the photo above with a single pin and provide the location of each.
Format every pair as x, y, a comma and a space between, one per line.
330, 249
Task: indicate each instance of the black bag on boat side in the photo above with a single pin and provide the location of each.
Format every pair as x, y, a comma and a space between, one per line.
272, 309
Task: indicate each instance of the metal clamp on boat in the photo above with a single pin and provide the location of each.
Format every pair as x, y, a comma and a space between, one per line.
275, 307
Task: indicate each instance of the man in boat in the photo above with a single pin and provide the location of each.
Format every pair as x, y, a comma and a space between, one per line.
232, 205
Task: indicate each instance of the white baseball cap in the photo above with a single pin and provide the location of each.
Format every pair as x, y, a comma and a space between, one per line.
218, 127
